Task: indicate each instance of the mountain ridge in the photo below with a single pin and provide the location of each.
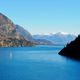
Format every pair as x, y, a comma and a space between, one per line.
57, 38
9, 36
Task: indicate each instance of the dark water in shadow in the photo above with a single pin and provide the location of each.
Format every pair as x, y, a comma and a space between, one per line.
37, 63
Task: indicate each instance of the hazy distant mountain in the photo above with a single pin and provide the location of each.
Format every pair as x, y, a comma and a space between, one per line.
43, 42
24, 33
57, 38
29, 37
9, 35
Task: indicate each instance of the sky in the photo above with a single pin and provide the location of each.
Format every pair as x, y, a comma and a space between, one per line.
44, 16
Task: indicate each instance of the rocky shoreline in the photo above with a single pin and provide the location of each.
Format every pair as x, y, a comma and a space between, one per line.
13, 42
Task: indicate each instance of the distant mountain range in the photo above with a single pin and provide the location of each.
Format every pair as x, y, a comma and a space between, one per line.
16, 35
43, 42
29, 37
57, 38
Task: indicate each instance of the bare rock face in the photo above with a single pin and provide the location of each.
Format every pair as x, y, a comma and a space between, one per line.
8, 33
7, 27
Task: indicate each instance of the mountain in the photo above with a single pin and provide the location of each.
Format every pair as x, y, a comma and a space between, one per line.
29, 37
57, 38
72, 50
43, 42
9, 35
24, 33
7, 27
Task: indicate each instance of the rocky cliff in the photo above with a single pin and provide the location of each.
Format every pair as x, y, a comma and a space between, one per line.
9, 36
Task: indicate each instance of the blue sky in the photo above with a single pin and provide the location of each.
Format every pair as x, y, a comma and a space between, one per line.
44, 16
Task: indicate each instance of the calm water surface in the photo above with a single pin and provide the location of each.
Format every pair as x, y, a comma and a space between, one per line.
37, 63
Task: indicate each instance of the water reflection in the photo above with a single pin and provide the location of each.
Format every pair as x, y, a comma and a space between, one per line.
24, 64
11, 55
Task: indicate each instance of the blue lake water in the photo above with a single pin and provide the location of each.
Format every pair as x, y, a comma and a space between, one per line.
37, 63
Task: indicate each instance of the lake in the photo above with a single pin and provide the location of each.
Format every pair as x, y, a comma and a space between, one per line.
37, 63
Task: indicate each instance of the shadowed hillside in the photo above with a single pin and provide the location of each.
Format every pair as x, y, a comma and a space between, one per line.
72, 50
